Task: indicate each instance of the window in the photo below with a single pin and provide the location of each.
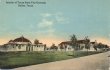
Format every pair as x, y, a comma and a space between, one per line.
19, 46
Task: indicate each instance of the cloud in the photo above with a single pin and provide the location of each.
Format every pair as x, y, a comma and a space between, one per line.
61, 18
46, 15
47, 32
47, 28
45, 23
51, 19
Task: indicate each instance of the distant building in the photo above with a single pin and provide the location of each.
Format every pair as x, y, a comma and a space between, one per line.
22, 44
65, 46
81, 45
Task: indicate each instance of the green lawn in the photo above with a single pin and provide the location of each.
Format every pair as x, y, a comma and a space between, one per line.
10, 60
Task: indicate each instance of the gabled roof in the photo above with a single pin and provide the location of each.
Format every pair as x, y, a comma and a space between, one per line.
21, 39
66, 42
69, 42
80, 41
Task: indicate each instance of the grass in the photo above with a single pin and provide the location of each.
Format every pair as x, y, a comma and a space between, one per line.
9, 60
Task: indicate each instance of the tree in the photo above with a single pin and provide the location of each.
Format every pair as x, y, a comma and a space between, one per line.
106, 47
45, 47
54, 47
87, 43
95, 45
36, 42
73, 41
61, 47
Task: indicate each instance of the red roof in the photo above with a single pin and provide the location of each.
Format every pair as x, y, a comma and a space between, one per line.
21, 39
80, 41
69, 42
66, 42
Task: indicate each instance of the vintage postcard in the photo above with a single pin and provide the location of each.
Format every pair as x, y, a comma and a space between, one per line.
55, 34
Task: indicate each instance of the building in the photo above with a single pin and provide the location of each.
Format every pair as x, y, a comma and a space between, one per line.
65, 46
22, 44
82, 45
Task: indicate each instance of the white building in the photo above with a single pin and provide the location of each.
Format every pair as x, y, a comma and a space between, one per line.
66, 46
22, 44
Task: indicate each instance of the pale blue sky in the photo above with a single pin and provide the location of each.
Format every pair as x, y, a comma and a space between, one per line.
56, 20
